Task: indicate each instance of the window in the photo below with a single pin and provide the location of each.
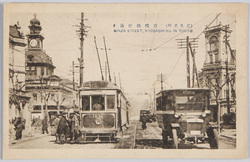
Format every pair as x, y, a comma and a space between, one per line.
111, 102
35, 96
168, 102
42, 71
85, 103
158, 104
214, 43
98, 102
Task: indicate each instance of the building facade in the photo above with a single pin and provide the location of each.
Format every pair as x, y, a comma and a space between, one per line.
18, 98
219, 71
49, 95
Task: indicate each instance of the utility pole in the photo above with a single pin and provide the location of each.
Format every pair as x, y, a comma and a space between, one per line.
187, 43
82, 32
188, 64
161, 83
114, 78
227, 75
73, 72
107, 58
120, 81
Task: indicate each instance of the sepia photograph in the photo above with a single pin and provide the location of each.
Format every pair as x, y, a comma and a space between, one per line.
158, 78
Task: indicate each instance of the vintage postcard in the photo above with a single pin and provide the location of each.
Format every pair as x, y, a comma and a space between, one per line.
125, 81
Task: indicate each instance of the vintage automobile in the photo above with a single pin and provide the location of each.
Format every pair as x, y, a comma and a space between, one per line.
184, 115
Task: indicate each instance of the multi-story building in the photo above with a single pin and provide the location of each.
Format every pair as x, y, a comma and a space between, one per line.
48, 92
219, 71
18, 99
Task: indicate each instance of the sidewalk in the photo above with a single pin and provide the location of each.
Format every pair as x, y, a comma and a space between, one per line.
28, 138
230, 134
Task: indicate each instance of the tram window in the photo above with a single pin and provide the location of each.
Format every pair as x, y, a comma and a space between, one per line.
158, 104
85, 103
98, 102
111, 102
170, 102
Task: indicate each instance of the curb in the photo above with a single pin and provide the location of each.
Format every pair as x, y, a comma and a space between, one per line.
28, 139
233, 139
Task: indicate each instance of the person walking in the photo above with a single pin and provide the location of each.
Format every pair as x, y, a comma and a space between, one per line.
19, 127
45, 125
144, 120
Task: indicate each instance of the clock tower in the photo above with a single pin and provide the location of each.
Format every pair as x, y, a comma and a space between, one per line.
35, 39
38, 63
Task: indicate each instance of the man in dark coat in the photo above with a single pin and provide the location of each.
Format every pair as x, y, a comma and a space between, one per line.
19, 126
45, 125
62, 129
144, 120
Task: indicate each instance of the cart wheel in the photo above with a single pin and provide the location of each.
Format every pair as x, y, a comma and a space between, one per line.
175, 138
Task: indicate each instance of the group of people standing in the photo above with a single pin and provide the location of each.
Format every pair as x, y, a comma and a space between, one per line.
19, 125
67, 127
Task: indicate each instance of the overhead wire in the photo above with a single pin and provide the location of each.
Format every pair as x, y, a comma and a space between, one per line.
178, 34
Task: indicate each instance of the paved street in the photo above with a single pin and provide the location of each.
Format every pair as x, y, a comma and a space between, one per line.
151, 139
134, 137
48, 142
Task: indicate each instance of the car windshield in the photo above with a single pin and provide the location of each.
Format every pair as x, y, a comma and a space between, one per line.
195, 102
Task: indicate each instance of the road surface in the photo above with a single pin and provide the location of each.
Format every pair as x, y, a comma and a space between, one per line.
133, 138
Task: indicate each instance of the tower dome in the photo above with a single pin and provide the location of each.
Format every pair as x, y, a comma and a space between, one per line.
34, 21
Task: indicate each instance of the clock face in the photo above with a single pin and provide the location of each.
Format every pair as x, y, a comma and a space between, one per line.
33, 43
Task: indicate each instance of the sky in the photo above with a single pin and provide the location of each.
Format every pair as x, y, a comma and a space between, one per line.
139, 57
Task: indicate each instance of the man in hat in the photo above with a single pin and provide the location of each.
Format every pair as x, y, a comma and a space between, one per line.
62, 128
19, 126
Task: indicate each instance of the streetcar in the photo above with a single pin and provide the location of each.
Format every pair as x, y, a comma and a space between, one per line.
184, 115
104, 112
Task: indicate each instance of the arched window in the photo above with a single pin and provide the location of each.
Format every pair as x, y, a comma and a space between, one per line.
214, 43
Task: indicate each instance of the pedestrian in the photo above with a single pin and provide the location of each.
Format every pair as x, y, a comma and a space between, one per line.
19, 127
55, 124
71, 125
76, 126
144, 120
45, 125
62, 128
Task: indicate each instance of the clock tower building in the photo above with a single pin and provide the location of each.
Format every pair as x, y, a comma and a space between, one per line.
38, 63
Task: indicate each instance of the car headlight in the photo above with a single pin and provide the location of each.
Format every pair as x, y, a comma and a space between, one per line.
176, 115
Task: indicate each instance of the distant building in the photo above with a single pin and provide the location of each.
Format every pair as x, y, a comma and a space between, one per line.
18, 99
48, 92
219, 71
